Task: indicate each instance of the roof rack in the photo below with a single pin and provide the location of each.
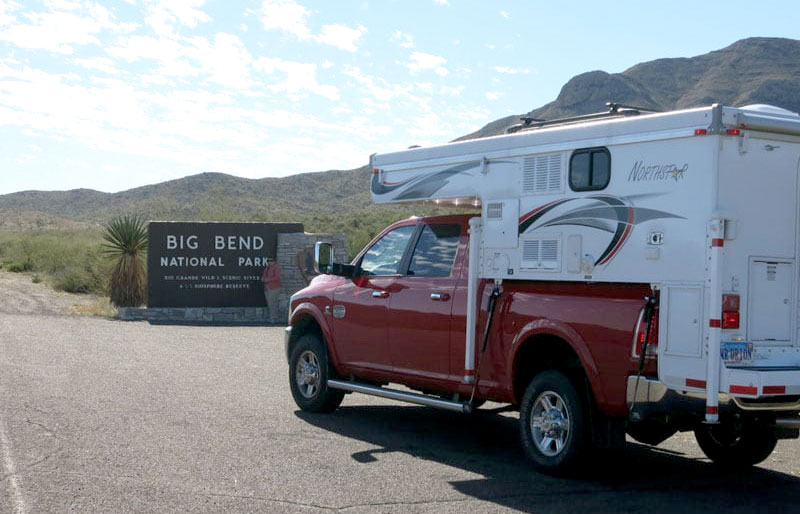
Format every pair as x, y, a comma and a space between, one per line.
615, 110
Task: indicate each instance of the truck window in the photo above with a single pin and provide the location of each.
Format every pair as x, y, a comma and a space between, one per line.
383, 258
435, 251
589, 169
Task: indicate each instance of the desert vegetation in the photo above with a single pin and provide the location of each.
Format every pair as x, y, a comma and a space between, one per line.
125, 243
68, 259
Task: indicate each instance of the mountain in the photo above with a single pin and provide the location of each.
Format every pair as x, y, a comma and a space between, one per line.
750, 71
755, 70
204, 196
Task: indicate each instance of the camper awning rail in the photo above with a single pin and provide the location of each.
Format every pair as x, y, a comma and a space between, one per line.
769, 123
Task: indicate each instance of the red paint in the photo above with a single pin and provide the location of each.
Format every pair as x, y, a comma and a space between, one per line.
715, 323
712, 410
717, 242
691, 382
737, 389
622, 239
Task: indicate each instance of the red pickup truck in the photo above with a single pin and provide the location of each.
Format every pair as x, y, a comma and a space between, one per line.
567, 355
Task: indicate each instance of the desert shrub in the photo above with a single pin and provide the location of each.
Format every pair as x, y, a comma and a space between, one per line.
73, 280
126, 245
70, 260
19, 267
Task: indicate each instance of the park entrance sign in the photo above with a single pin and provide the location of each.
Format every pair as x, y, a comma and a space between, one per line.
194, 264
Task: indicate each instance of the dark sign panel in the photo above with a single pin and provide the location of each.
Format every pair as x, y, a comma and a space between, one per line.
210, 264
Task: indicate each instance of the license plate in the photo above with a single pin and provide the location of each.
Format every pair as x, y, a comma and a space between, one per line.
736, 352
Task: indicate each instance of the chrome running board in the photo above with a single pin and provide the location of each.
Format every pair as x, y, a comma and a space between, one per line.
419, 399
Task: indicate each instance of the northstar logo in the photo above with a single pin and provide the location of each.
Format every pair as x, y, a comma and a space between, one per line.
656, 172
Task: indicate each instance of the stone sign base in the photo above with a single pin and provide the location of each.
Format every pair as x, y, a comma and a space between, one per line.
197, 315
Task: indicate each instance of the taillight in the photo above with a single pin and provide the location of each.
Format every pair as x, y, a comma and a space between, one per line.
730, 311
652, 341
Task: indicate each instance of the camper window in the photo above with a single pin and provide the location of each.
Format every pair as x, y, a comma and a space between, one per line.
589, 169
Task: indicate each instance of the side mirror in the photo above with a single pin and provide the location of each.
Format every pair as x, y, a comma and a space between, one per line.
323, 258
323, 262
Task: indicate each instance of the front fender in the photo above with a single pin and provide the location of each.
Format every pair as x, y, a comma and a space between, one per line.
551, 328
309, 309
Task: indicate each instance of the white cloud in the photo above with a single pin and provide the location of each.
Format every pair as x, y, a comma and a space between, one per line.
378, 87
291, 17
286, 15
227, 61
5, 17
403, 39
429, 125
492, 96
442, 2
187, 12
511, 71
162, 15
55, 32
341, 36
420, 61
103, 64
300, 77
171, 55
166, 90
59, 29
224, 60
505, 14
451, 90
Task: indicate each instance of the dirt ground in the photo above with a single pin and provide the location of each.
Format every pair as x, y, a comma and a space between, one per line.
19, 295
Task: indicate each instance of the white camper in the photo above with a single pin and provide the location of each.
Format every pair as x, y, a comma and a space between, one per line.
701, 204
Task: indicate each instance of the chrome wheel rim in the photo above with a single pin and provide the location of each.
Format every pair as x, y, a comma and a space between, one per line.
550, 423
307, 375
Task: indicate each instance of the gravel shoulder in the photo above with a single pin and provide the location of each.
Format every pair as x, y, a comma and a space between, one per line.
19, 295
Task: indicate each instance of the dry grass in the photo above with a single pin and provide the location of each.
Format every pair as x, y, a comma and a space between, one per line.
101, 308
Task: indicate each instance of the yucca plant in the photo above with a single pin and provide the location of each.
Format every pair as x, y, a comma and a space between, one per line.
126, 242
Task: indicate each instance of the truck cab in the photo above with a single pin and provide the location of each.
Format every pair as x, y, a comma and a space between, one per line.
395, 315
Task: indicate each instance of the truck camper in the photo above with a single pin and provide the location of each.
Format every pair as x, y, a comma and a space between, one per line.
629, 271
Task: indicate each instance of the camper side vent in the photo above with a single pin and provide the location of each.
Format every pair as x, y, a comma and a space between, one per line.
494, 210
542, 173
544, 254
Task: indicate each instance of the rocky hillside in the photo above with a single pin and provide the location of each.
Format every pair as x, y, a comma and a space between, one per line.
210, 196
750, 71
756, 70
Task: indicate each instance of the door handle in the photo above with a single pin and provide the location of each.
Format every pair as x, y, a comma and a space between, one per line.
440, 297
380, 294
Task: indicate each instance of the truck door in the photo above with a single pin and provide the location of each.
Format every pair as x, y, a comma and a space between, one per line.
422, 303
360, 311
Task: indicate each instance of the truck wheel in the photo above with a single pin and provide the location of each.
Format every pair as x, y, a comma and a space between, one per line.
736, 444
552, 423
309, 370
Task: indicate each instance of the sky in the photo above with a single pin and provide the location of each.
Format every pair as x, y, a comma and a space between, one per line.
116, 95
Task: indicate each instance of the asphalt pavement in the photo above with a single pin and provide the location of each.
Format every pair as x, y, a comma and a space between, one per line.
109, 416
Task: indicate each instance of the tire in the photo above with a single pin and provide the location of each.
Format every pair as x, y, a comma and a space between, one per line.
736, 444
553, 423
309, 369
